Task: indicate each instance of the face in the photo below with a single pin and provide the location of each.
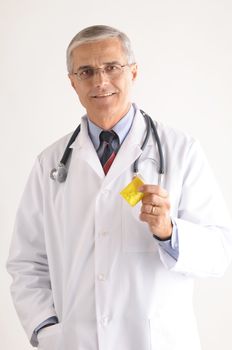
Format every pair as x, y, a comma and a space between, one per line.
106, 98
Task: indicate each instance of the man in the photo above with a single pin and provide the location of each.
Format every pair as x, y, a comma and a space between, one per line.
91, 272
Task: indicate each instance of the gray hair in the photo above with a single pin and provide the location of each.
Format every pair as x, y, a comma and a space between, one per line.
96, 33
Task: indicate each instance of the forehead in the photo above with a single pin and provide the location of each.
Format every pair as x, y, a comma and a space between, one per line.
98, 52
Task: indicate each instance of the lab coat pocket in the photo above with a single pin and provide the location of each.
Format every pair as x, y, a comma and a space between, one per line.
168, 331
159, 340
49, 338
136, 236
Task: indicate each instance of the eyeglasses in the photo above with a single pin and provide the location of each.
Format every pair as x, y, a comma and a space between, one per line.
112, 70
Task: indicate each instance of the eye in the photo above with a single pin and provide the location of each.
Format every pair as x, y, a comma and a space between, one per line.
86, 73
111, 68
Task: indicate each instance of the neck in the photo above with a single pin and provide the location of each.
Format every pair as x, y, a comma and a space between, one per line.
107, 122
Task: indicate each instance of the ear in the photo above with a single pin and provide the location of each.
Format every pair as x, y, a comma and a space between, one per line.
134, 71
71, 78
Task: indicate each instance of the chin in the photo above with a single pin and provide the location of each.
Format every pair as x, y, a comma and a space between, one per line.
106, 111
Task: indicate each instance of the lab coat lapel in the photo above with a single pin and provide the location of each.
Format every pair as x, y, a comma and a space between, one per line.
130, 149
84, 150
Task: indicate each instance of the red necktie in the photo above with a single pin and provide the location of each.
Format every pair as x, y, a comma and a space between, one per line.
109, 144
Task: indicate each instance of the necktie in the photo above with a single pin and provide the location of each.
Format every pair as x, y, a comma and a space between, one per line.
109, 144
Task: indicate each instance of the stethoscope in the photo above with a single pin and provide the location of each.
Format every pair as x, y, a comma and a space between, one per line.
60, 173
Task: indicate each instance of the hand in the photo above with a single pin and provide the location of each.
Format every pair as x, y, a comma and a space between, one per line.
155, 210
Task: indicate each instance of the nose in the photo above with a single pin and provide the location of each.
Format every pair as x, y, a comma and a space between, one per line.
100, 77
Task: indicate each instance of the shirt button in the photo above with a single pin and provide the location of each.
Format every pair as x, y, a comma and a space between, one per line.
101, 277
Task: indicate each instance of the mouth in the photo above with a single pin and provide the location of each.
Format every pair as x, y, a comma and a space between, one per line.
107, 94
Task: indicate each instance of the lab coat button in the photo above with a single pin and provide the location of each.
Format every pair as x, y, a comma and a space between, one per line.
105, 320
101, 277
104, 233
105, 192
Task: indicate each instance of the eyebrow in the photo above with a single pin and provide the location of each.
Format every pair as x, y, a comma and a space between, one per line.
104, 63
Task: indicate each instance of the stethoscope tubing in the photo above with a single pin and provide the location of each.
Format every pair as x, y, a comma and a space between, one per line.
60, 173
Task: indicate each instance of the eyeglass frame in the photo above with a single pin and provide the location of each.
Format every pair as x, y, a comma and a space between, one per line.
99, 69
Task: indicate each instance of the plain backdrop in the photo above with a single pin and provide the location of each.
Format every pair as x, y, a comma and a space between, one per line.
184, 52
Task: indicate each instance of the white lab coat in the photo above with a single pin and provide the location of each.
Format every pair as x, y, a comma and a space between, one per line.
80, 252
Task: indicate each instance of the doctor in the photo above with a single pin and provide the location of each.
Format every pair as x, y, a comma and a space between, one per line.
91, 272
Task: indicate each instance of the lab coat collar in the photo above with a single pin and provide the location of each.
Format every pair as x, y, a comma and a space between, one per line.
129, 151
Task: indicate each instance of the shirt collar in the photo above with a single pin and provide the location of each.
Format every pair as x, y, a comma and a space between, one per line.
122, 128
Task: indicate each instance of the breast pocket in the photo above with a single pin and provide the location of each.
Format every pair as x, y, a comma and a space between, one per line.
136, 236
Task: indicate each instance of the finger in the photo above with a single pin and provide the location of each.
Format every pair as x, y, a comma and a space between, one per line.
153, 199
150, 211
147, 209
153, 220
155, 189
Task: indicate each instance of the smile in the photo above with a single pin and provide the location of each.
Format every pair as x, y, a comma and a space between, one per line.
104, 95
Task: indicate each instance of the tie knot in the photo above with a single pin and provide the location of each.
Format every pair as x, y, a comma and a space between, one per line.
108, 136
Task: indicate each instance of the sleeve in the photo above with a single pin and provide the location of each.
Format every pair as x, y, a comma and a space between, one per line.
170, 246
27, 262
203, 222
49, 322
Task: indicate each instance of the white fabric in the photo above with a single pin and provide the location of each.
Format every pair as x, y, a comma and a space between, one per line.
80, 252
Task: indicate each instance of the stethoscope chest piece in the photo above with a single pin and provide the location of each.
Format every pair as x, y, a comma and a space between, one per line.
60, 173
